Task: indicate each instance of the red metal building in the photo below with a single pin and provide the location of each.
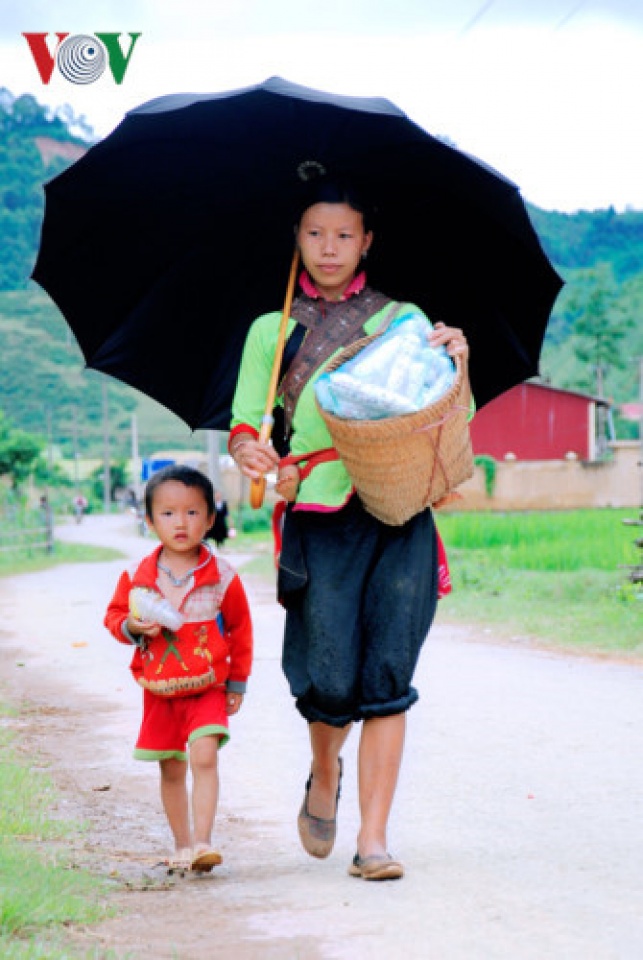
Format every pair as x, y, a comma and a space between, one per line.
537, 422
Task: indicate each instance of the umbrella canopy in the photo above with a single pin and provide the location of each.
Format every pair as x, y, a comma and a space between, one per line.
163, 243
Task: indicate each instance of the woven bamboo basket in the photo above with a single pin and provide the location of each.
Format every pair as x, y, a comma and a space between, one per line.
400, 465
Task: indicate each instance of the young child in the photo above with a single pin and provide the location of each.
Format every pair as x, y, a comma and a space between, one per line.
193, 663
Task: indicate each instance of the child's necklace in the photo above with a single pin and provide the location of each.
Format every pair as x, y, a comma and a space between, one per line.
181, 581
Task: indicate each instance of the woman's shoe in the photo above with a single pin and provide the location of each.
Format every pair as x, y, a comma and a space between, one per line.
316, 834
204, 859
377, 867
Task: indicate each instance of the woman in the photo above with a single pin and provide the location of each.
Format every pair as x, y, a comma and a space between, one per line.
360, 595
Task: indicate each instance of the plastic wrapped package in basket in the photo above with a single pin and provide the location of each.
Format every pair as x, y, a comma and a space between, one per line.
399, 462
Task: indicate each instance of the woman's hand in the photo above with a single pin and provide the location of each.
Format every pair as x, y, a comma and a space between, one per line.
253, 458
451, 337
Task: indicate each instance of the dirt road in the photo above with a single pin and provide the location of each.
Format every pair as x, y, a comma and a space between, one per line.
519, 812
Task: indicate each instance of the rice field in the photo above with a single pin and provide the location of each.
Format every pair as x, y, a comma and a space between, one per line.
553, 578
549, 542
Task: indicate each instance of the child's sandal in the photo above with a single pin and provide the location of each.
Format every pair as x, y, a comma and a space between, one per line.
180, 861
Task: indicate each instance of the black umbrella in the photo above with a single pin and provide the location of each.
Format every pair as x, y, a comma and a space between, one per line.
164, 242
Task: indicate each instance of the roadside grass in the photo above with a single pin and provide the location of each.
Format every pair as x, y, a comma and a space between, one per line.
42, 893
552, 577
31, 561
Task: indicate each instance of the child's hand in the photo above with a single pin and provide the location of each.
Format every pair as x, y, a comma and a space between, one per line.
288, 482
233, 702
142, 628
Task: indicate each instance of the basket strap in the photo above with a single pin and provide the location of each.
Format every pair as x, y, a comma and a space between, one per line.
393, 309
331, 325
456, 408
434, 440
437, 460
314, 458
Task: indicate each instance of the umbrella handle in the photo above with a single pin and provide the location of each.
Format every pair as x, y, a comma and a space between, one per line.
257, 492
258, 487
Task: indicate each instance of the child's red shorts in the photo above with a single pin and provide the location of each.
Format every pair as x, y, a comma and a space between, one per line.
170, 723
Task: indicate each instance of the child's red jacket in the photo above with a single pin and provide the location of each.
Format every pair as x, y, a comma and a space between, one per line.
225, 640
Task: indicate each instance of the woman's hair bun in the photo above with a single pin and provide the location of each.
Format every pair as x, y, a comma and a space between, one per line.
309, 170
318, 186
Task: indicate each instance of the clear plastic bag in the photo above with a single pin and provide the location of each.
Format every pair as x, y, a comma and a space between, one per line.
148, 605
397, 373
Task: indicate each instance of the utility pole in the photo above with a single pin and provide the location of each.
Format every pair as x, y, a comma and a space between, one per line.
639, 361
214, 471
136, 460
601, 439
641, 424
107, 476
50, 447
74, 425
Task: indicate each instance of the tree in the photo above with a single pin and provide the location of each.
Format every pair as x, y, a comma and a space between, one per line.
118, 476
19, 452
600, 326
50, 474
27, 112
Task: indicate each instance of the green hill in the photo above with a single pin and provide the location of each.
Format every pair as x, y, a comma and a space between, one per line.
44, 386
29, 135
586, 238
559, 365
45, 389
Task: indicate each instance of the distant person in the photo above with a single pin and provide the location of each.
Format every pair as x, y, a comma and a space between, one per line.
79, 506
219, 531
48, 521
137, 508
192, 661
45, 508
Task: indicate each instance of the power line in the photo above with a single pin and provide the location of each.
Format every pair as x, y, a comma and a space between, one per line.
477, 16
570, 15
485, 7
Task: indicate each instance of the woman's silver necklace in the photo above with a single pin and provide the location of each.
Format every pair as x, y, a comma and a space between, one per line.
182, 581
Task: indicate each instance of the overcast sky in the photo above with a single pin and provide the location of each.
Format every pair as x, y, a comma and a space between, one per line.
547, 91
